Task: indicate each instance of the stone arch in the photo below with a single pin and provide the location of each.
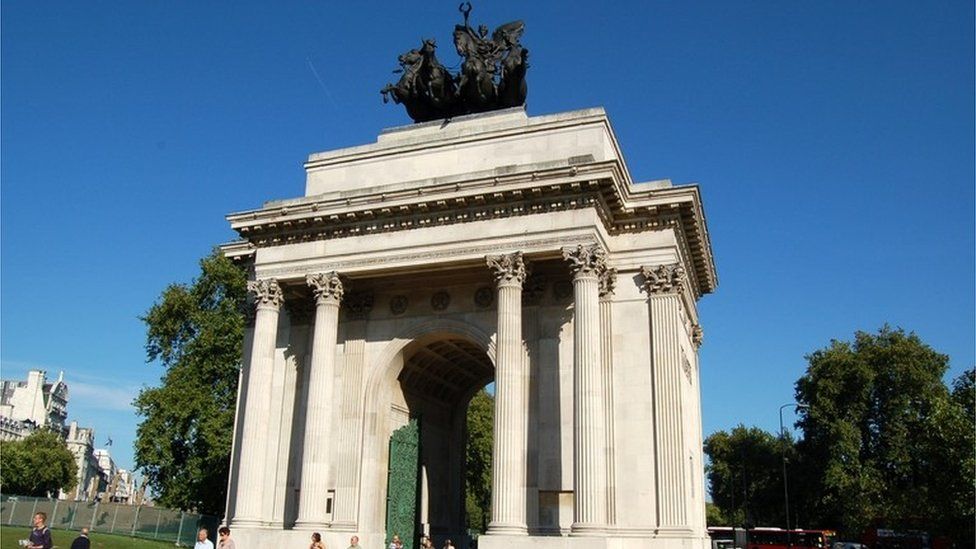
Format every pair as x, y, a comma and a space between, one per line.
383, 372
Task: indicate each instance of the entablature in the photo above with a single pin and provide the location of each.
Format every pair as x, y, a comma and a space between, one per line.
603, 186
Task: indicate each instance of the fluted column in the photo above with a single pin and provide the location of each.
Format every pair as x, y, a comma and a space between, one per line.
589, 412
664, 284
253, 443
508, 475
608, 283
318, 417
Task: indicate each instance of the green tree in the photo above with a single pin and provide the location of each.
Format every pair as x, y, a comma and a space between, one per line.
477, 473
883, 439
745, 475
714, 516
196, 332
38, 465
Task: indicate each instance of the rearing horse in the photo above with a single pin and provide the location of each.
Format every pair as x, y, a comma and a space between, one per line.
437, 84
407, 90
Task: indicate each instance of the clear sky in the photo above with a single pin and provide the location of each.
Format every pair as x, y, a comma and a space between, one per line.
833, 142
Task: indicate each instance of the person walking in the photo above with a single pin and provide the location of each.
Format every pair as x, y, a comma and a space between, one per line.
82, 541
223, 539
354, 543
316, 541
202, 541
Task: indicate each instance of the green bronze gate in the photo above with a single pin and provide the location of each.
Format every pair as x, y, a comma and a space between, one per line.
402, 484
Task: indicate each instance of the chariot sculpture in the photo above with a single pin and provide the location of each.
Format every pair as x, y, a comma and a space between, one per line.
491, 76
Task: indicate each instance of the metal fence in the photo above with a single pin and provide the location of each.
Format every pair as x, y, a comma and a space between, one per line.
140, 521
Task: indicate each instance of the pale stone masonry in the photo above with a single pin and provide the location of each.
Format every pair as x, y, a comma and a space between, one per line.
35, 402
415, 270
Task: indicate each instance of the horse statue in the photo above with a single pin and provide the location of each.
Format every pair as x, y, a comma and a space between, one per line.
492, 73
436, 82
407, 89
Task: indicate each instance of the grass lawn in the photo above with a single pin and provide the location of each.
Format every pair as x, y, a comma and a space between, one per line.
63, 538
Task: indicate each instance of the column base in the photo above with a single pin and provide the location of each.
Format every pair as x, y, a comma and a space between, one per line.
582, 529
246, 522
311, 525
497, 529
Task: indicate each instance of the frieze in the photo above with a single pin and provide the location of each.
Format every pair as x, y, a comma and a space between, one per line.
484, 297
426, 257
533, 290
398, 304
562, 290
440, 300
326, 286
266, 291
663, 279
358, 305
300, 311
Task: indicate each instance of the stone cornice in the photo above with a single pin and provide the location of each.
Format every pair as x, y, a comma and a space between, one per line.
600, 185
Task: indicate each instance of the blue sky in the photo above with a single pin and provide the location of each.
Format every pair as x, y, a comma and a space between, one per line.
833, 142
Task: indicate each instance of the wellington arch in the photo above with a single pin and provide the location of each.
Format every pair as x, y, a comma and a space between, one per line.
447, 255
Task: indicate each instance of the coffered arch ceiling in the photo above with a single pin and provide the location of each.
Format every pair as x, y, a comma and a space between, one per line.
448, 369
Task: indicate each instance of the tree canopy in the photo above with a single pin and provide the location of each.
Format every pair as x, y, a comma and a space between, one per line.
38, 465
882, 438
744, 476
885, 443
195, 332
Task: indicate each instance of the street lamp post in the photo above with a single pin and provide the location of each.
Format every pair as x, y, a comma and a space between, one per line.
786, 489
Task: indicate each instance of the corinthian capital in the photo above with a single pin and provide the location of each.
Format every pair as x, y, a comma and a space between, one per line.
586, 260
663, 279
326, 286
266, 292
508, 268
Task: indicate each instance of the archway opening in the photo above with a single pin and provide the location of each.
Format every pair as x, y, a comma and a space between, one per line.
440, 376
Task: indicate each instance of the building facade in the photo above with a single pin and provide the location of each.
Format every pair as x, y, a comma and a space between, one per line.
28, 405
448, 255
81, 443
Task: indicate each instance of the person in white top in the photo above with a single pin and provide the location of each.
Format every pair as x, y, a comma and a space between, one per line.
202, 541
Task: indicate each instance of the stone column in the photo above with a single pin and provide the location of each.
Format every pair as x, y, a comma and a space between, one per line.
589, 412
357, 307
508, 475
664, 285
318, 417
608, 283
253, 470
